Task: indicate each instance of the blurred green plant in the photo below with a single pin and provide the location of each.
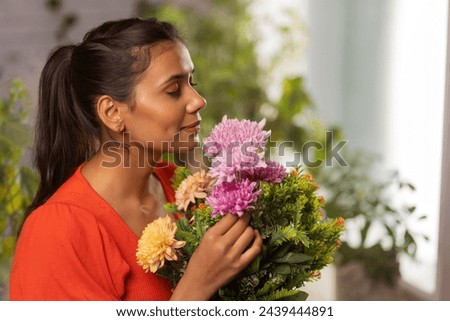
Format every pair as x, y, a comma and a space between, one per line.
18, 182
294, 104
382, 228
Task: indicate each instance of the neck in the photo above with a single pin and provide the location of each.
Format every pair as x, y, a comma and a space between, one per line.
121, 173
127, 187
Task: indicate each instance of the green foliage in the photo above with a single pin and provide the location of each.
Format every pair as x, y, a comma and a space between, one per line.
298, 241
294, 102
17, 182
385, 228
180, 174
294, 99
285, 294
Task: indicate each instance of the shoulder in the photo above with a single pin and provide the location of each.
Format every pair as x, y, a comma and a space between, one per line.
62, 219
60, 230
76, 193
63, 253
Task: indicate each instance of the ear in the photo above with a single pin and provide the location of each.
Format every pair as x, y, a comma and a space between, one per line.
108, 111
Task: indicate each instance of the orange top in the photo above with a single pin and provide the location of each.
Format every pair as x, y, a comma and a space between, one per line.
76, 247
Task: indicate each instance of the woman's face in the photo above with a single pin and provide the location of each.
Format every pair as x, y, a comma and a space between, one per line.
166, 111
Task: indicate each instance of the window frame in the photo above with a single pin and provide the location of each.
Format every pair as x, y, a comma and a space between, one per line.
443, 259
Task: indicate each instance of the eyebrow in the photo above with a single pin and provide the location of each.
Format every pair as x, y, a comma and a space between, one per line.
177, 77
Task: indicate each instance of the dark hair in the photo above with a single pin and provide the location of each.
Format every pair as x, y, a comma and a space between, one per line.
108, 61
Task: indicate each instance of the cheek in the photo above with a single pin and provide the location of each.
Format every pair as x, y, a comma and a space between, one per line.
159, 124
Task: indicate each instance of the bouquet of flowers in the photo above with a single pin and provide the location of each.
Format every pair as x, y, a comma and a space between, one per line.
298, 241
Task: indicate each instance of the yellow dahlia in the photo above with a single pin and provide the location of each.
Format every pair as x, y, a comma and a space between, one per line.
194, 186
158, 244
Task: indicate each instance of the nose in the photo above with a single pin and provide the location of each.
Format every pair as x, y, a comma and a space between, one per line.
197, 102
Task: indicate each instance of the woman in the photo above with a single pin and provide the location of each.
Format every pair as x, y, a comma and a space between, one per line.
109, 107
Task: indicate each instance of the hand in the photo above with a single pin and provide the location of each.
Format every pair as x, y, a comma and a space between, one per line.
225, 250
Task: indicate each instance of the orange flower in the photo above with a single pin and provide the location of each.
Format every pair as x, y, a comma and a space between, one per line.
158, 244
316, 274
340, 221
194, 186
309, 177
322, 199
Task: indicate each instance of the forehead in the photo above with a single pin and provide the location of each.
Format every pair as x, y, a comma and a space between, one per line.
168, 59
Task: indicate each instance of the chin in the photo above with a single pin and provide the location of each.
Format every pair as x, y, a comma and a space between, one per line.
185, 143
184, 147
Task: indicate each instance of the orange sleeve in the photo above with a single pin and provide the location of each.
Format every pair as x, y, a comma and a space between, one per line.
64, 254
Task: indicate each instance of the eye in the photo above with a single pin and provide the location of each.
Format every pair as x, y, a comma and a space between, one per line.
173, 89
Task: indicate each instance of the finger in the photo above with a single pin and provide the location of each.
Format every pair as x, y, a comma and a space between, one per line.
237, 229
225, 223
243, 241
252, 252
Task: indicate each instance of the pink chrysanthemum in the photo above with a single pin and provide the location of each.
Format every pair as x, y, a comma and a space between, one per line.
272, 172
228, 168
230, 133
235, 145
232, 198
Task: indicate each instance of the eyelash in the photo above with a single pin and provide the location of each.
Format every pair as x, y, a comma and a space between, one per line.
176, 93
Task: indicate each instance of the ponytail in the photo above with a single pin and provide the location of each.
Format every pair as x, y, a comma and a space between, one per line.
65, 136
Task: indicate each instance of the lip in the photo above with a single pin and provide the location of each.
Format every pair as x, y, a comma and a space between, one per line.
194, 125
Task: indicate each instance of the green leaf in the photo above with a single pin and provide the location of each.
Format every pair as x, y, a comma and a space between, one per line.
282, 269
181, 173
294, 98
282, 235
300, 296
17, 133
28, 182
183, 224
171, 208
285, 294
2, 225
293, 258
280, 252
254, 266
7, 247
411, 186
